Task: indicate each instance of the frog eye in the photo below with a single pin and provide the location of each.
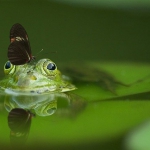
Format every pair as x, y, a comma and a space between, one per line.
47, 67
8, 65
51, 66
9, 68
46, 109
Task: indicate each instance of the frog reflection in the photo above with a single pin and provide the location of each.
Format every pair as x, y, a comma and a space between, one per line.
46, 104
22, 108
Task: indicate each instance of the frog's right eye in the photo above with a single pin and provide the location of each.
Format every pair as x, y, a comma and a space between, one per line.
47, 68
9, 68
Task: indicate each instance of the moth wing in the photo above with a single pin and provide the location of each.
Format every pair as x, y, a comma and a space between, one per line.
17, 53
18, 33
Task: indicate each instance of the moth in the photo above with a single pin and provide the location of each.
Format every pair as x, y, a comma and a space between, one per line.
19, 50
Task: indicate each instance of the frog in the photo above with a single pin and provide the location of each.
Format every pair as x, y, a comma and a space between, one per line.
38, 86
37, 78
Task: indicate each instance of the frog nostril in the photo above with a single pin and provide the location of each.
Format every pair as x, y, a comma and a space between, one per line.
33, 77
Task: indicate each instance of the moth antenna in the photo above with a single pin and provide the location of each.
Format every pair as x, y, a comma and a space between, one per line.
34, 57
39, 52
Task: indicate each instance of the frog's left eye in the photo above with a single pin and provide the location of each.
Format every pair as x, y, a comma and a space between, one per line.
9, 68
51, 66
47, 67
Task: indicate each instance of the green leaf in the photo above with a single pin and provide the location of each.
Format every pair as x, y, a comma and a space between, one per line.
136, 76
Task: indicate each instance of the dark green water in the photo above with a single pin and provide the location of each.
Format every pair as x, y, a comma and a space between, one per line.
80, 33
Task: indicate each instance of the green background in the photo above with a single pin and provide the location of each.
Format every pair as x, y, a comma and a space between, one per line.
80, 31
92, 31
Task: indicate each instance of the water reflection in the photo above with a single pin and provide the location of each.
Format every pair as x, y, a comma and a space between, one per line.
19, 122
22, 108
